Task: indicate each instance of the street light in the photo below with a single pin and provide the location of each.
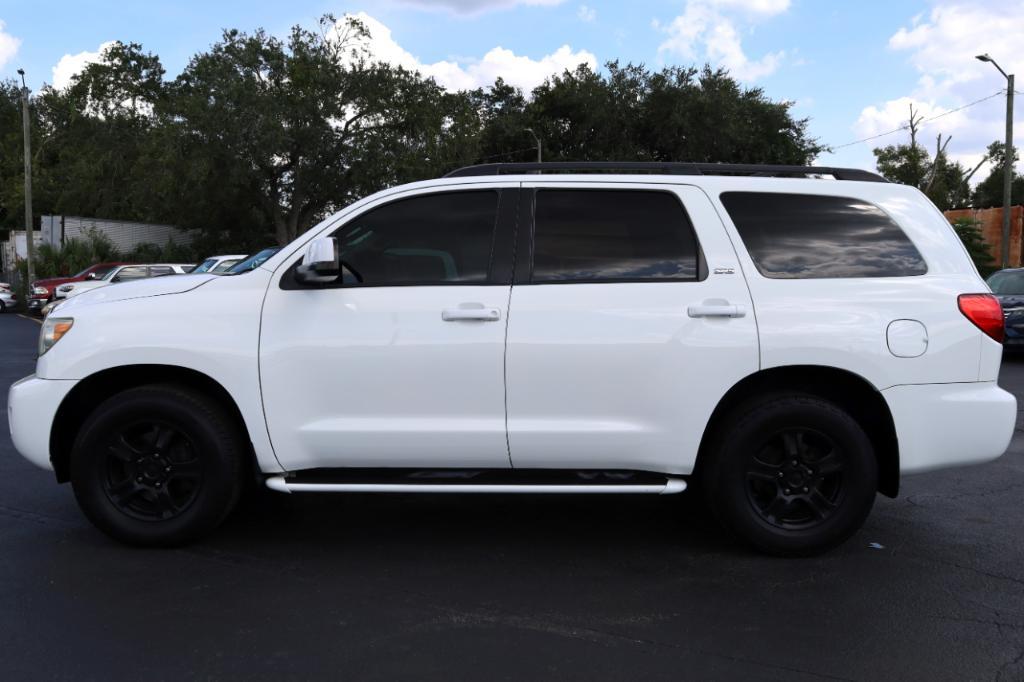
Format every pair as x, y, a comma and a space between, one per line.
1008, 160
26, 130
537, 140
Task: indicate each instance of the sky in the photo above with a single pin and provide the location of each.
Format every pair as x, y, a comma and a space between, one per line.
851, 67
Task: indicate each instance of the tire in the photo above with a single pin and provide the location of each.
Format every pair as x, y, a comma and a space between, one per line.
158, 465
3, 308
791, 474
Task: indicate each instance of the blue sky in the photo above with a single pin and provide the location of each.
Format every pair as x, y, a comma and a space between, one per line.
851, 67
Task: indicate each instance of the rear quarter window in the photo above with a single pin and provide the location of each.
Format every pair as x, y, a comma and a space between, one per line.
807, 236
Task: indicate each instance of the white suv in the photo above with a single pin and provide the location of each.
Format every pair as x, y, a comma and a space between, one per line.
789, 340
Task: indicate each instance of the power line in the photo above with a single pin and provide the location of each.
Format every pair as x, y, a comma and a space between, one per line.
906, 126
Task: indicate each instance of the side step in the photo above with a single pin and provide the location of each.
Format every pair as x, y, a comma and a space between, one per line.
476, 481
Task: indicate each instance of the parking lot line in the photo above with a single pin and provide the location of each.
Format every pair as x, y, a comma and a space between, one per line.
36, 320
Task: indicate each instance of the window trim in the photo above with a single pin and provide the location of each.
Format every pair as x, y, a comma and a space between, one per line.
757, 267
499, 267
528, 218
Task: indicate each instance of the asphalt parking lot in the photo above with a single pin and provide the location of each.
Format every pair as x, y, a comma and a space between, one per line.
434, 587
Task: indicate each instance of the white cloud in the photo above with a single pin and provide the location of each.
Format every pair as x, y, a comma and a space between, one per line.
941, 46
586, 14
707, 30
515, 69
477, 6
8, 45
71, 65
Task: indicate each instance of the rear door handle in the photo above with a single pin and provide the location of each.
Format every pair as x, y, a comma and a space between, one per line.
479, 314
716, 310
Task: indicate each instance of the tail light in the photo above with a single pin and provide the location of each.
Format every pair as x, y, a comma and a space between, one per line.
985, 312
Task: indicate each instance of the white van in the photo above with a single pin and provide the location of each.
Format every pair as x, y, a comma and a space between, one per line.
787, 340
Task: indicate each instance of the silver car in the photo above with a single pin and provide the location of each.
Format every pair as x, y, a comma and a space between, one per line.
8, 300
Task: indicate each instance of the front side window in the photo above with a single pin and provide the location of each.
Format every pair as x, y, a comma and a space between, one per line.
806, 236
430, 239
612, 235
160, 270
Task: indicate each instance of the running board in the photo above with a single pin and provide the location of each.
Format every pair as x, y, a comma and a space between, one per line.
384, 481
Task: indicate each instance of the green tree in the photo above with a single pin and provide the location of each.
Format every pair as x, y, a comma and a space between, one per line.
989, 192
634, 114
970, 234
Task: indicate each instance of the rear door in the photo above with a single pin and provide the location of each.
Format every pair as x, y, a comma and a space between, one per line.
629, 319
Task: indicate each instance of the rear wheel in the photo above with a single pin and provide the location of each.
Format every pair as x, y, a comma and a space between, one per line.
792, 474
157, 465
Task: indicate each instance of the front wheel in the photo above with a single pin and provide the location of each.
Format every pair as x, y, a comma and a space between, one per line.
157, 465
792, 474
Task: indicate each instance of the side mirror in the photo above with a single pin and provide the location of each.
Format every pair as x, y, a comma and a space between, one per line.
91, 275
320, 264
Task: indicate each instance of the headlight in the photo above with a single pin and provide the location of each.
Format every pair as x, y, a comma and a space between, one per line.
54, 329
39, 291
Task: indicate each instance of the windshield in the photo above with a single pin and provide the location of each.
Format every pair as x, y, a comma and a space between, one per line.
109, 274
206, 265
1007, 283
253, 262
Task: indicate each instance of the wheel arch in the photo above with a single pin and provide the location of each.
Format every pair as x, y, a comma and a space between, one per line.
850, 391
91, 391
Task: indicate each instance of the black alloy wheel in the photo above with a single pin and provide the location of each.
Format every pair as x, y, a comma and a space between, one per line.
790, 473
795, 480
152, 470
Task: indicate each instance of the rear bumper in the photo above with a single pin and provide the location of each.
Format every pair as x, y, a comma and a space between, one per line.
31, 407
946, 425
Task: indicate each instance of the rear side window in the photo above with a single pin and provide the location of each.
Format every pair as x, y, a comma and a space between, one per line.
430, 239
612, 235
805, 236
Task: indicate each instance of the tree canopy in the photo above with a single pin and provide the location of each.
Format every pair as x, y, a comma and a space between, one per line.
260, 137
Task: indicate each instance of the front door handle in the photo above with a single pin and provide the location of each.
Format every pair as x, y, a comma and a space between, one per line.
480, 314
716, 310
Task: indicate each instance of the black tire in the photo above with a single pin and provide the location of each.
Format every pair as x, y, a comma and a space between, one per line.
157, 465
3, 308
791, 474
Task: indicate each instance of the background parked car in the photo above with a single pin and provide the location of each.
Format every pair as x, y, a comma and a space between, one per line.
8, 300
218, 264
1008, 286
45, 290
123, 273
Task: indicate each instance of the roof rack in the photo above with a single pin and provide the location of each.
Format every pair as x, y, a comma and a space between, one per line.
668, 168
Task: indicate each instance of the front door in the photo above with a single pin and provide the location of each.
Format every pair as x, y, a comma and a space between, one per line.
401, 364
630, 319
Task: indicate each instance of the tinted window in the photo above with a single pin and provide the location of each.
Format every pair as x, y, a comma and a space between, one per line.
432, 239
802, 236
1007, 282
160, 270
612, 235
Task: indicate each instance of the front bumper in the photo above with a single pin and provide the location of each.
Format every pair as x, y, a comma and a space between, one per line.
31, 408
946, 425
37, 303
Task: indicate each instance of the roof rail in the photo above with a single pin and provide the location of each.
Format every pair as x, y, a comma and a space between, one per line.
667, 168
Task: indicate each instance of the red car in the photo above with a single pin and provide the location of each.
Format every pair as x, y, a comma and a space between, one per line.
43, 289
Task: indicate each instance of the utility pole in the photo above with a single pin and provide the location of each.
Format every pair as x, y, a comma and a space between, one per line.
537, 140
1007, 160
26, 129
